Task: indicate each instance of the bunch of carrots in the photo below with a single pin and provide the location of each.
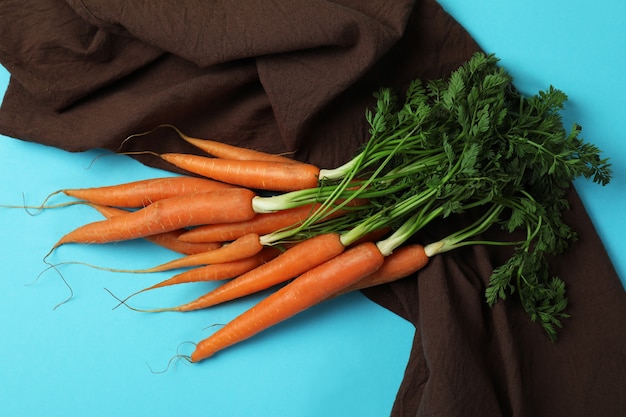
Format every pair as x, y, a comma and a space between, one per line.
257, 221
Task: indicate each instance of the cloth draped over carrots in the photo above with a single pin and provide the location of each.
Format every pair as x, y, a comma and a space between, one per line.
469, 143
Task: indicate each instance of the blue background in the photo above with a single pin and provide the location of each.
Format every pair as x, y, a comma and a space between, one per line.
83, 358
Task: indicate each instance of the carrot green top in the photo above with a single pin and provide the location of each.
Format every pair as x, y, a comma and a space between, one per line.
466, 142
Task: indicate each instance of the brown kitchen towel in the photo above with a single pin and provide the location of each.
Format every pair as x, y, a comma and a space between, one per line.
296, 76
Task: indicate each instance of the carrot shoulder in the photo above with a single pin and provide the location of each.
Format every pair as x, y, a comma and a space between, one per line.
230, 205
261, 175
307, 290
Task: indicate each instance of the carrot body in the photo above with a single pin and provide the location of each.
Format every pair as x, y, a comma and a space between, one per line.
244, 247
309, 289
403, 262
168, 240
230, 205
291, 263
141, 193
262, 175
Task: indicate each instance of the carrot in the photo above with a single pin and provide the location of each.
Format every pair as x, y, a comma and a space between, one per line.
289, 264
403, 262
262, 223
241, 248
230, 205
225, 151
309, 289
221, 271
143, 192
261, 175
168, 240
214, 272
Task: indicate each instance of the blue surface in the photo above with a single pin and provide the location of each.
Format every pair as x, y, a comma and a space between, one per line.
83, 357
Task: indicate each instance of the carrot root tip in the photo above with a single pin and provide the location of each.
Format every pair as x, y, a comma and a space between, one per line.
69, 287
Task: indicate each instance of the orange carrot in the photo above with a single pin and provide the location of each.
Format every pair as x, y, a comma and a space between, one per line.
261, 175
221, 271
241, 248
141, 193
403, 262
225, 151
215, 272
266, 223
262, 223
309, 289
289, 264
230, 205
168, 240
